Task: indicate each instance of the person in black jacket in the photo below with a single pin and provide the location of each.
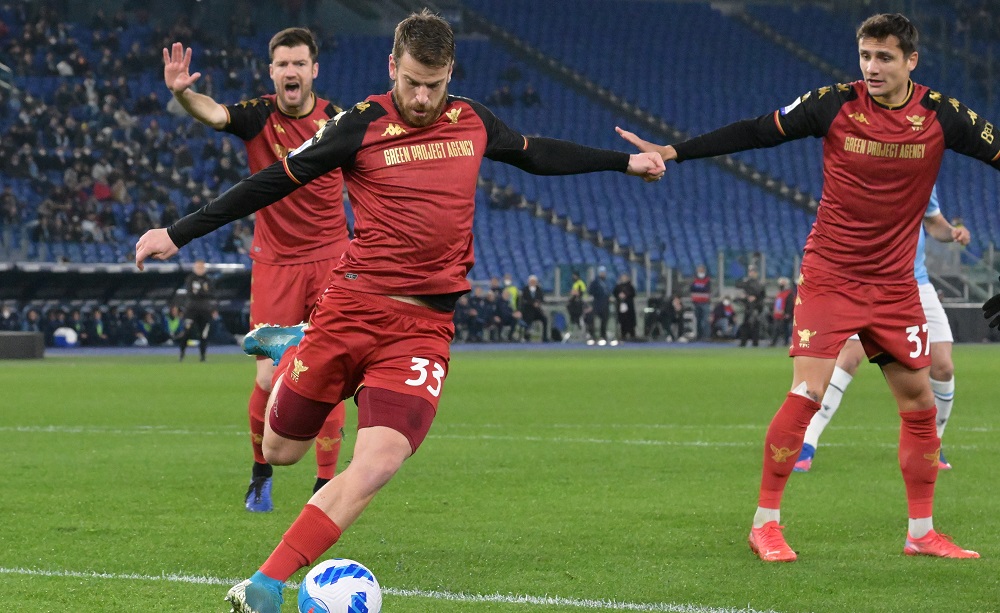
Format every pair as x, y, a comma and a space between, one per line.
198, 311
531, 299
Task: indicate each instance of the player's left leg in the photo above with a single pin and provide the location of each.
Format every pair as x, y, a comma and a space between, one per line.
919, 449
391, 426
943, 385
942, 368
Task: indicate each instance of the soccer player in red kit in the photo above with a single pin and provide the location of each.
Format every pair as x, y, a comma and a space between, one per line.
297, 241
884, 137
382, 330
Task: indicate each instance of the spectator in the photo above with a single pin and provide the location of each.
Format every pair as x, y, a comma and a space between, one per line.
532, 297
530, 96
97, 329
10, 321
32, 321
601, 294
153, 329
781, 313
724, 319
701, 298
624, 293
753, 307
574, 309
675, 319
502, 96
510, 317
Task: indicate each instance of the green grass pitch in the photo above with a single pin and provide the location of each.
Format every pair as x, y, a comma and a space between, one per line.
601, 479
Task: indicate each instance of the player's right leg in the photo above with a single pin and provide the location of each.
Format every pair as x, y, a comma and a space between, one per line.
783, 443
848, 360
258, 496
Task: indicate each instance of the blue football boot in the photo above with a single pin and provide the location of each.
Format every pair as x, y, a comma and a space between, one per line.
273, 341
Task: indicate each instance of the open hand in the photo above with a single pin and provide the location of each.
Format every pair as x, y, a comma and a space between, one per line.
176, 67
666, 152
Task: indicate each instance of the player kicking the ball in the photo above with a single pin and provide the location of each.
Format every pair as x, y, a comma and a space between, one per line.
382, 330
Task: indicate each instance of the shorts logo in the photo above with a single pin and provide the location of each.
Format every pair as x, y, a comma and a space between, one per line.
297, 369
805, 336
351, 276
781, 455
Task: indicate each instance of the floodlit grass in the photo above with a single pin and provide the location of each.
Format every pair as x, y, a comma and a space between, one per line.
626, 475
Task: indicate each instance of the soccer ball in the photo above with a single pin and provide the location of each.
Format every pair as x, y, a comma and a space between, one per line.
65, 337
340, 586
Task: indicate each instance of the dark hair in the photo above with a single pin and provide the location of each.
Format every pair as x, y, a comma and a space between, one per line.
293, 37
427, 38
880, 27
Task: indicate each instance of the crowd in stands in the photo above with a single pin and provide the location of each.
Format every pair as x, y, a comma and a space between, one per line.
505, 313
123, 326
101, 159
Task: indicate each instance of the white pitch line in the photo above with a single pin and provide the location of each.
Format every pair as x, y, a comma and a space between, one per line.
165, 430
593, 441
127, 431
602, 605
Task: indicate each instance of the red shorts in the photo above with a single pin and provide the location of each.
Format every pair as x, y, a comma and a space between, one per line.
356, 339
889, 319
284, 295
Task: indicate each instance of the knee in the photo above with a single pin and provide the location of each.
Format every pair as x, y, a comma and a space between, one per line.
281, 454
265, 381
943, 372
374, 471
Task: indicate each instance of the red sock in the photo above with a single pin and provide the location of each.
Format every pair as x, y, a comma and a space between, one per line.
782, 446
311, 534
257, 406
328, 443
919, 449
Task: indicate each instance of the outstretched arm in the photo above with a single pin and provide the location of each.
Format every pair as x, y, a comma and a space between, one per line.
248, 196
176, 74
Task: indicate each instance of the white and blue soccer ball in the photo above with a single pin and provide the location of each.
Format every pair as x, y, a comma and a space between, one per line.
65, 337
340, 586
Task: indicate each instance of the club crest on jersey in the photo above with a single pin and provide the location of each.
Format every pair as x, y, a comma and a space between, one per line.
297, 369
394, 130
453, 115
916, 122
805, 336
